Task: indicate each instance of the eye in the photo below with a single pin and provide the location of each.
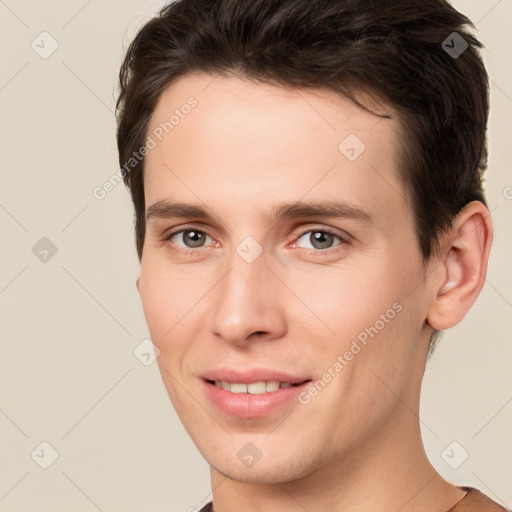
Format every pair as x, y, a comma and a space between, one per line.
190, 239
320, 239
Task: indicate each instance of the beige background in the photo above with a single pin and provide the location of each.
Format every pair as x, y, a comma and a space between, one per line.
69, 326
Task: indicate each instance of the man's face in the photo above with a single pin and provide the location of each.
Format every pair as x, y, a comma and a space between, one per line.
263, 291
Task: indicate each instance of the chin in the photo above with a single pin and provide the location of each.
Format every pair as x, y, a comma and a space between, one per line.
258, 476
270, 471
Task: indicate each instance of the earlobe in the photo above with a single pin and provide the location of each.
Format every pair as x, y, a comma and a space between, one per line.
463, 267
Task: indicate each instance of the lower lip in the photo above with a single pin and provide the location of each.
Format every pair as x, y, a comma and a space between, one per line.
246, 405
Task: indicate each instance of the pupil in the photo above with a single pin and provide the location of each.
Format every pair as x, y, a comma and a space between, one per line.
194, 234
321, 238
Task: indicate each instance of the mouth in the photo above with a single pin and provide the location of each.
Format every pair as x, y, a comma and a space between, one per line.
251, 397
254, 388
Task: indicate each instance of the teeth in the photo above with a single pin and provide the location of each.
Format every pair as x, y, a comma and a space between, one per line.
254, 388
272, 385
238, 388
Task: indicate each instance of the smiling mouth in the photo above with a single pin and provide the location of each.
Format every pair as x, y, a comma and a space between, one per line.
254, 388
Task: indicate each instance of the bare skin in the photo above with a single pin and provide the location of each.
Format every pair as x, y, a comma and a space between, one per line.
242, 151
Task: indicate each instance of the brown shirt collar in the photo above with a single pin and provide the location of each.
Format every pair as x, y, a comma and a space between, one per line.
473, 501
476, 501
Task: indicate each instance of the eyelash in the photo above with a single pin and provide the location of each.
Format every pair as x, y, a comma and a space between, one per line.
316, 253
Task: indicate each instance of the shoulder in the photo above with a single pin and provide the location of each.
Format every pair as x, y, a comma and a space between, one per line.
476, 501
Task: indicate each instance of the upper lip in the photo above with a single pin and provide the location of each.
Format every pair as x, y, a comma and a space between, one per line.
251, 375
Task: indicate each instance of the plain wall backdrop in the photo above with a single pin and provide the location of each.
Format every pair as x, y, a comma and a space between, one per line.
71, 317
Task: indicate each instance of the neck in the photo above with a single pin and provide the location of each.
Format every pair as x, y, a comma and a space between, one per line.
375, 477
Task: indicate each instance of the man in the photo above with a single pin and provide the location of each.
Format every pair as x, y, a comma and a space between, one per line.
306, 177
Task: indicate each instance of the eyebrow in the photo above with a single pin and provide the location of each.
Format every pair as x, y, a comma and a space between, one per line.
165, 209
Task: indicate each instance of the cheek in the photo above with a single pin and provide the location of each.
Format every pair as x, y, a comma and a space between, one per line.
166, 295
163, 314
347, 298
166, 299
365, 315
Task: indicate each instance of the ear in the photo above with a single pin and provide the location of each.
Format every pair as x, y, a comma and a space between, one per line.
137, 284
461, 267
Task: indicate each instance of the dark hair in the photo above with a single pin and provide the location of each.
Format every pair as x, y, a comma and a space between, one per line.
418, 56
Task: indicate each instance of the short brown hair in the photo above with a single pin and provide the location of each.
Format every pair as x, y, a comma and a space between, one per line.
398, 50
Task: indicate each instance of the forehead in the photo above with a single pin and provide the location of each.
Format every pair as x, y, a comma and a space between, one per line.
236, 97
252, 142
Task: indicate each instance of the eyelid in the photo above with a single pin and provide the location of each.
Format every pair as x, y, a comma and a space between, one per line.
344, 238
172, 232
343, 235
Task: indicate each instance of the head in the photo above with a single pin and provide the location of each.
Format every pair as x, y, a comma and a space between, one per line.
326, 158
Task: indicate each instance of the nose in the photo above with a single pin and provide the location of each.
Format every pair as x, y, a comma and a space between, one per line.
248, 303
